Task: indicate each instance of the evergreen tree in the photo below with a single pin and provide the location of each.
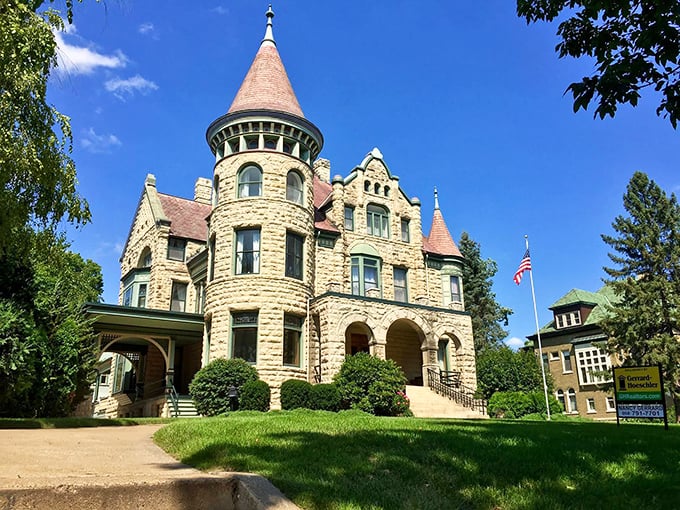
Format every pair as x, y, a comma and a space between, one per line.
480, 301
644, 327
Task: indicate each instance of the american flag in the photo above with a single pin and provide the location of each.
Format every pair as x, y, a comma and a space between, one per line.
525, 265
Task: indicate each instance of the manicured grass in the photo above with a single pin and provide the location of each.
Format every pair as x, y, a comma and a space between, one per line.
351, 460
64, 423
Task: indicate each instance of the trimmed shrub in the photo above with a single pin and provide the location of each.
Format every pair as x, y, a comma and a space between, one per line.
295, 394
515, 404
210, 387
254, 396
324, 397
371, 384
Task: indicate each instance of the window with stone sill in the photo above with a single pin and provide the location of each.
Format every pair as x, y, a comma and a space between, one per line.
365, 274
250, 182
590, 403
292, 337
560, 398
244, 336
349, 217
405, 230
377, 221
571, 399
400, 285
176, 249
294, 187
178, 299
566, 362
247, 251
294, 255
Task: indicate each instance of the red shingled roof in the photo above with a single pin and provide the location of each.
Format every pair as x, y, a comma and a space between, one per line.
187, 218
266, 86
440, 241
322, 192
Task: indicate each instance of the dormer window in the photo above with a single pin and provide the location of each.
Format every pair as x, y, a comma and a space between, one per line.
568, 319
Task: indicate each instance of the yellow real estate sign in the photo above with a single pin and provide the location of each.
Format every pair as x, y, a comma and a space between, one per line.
639, 384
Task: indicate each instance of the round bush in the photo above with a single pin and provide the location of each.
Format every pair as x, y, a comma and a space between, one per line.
295, 394
210, 387
254, 396
371, 384
324, 397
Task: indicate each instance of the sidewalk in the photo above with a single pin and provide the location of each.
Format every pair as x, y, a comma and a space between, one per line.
116, 468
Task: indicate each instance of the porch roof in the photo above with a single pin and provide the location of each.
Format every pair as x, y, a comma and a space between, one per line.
184, 327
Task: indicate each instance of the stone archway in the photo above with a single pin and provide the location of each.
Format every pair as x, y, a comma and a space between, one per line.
358, 338
404, 345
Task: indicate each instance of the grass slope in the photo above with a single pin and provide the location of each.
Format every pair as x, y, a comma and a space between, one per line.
351, 460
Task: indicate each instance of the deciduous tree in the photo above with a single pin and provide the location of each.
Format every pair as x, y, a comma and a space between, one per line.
37, 175
488, 316
644, 326
635, 44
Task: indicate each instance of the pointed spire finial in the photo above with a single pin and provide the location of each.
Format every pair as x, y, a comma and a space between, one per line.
269, 32
436, 199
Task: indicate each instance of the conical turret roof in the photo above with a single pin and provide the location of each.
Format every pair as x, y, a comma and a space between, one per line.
266, 85
440, 240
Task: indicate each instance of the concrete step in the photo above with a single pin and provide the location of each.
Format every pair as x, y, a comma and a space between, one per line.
427, 404
186, 407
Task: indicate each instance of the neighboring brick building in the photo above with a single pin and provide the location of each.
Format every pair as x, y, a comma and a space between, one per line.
574, 353
282, 265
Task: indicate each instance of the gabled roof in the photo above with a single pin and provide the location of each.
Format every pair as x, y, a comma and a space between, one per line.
440, 241
187, 218
266, 85
322, 195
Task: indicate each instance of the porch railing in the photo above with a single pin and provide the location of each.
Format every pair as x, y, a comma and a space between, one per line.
171, 392
447, 384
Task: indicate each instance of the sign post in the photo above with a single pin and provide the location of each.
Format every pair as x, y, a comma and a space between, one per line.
639, 393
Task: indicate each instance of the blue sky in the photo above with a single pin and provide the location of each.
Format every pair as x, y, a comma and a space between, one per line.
464, 97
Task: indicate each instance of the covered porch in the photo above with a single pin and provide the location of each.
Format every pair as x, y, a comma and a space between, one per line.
154, 356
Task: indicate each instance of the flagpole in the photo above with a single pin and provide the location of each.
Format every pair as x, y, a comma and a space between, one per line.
538, 335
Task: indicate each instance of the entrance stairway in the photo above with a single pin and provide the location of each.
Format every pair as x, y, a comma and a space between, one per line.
425, 403
185, 407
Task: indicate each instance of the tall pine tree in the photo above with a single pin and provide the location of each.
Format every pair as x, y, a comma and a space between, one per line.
644, 327
488, 316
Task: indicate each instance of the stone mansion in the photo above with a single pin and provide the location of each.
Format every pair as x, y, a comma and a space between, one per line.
277, 262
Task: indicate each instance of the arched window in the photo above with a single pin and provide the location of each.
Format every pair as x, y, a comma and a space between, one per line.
367, 186
377, 221
294, 190
386, 190
571, 394
376, 188
560, 399
250, 182
145, 258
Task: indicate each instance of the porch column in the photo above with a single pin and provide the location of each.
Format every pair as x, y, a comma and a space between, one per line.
170, 369
429, 356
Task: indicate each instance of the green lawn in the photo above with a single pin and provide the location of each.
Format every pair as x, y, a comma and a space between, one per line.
351, 460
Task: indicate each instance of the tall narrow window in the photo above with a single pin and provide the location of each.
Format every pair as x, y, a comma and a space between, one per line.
400, 285
176, 248
145, 258
377, 221
247, 251
443, 354
566, 361
244, 336
127, 296
571, 395
178, 298
365, 274
560, 399
211, 262
200, 297
292, 334
216, 190
294, 190
405, 230
250, 182
349, 218
294, 259
456, 296
141, 295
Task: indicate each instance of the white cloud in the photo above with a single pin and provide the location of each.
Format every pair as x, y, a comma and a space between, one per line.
220, 10
123, 89
146, 28
74, 60
99, 144
515, 343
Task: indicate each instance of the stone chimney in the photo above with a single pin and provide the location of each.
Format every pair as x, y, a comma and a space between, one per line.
203, 191
322, 169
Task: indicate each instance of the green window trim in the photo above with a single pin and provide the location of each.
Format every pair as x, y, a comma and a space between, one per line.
377, 221
292, 340
365, 274
244, 336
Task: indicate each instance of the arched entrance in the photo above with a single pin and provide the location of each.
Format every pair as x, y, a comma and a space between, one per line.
358, 337
404, 346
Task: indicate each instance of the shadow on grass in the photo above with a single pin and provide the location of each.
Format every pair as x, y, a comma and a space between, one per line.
423, 464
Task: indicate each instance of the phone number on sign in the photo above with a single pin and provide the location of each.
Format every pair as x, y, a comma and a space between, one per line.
640, 410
